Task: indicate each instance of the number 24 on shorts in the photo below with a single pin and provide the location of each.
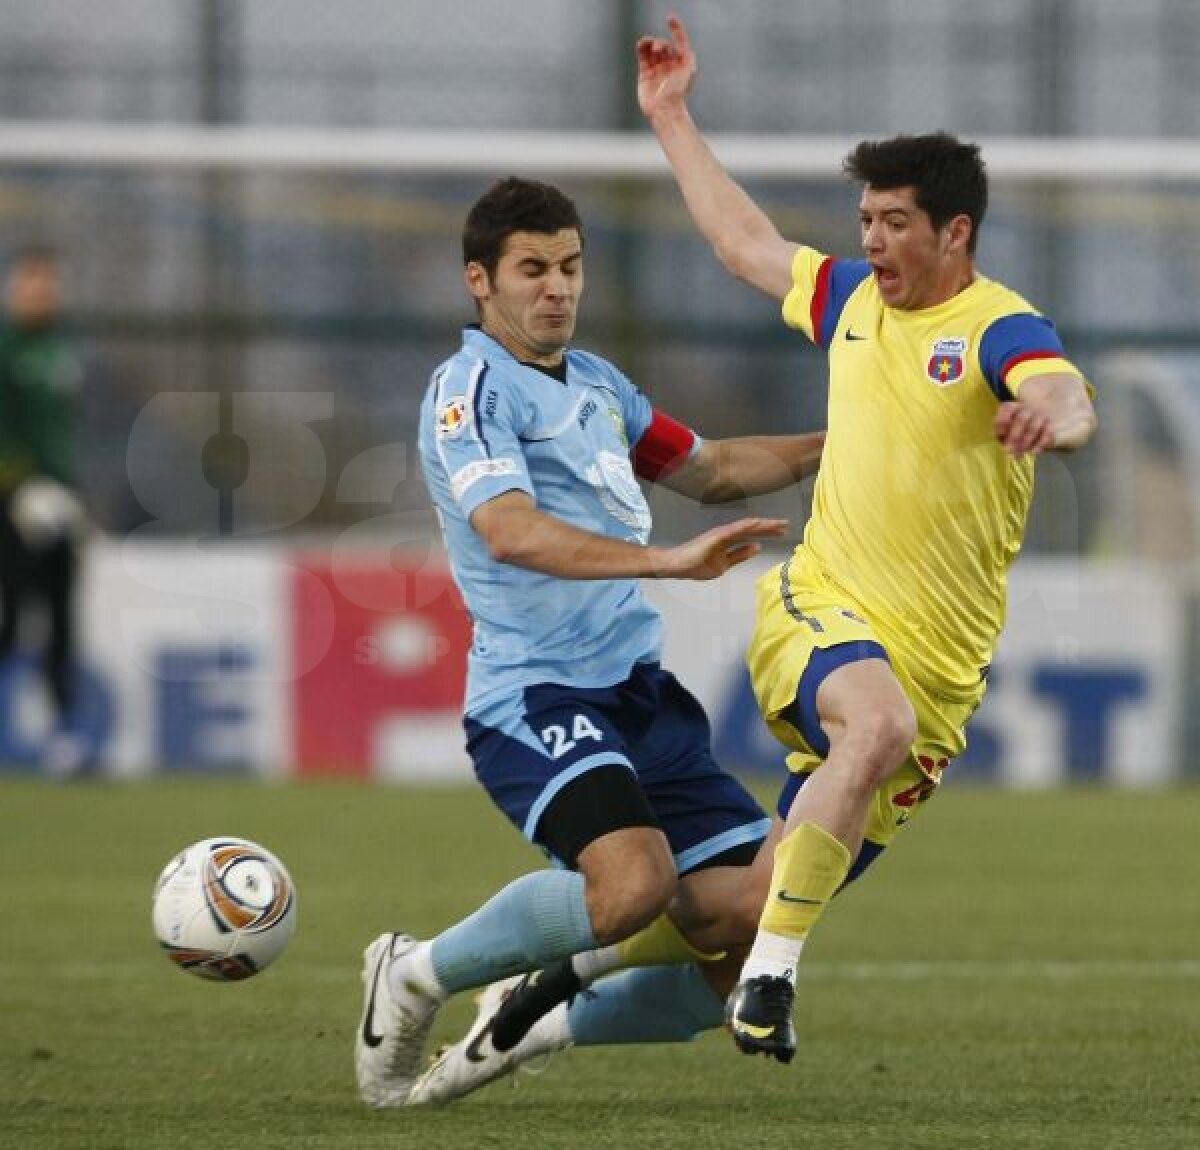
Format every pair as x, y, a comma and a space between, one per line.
556, 739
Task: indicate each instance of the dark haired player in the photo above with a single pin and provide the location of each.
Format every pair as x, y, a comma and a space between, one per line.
873, 640
531, 449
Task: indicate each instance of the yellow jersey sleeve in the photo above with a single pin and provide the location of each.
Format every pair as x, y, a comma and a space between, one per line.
821, 288
1018, 347
807, 265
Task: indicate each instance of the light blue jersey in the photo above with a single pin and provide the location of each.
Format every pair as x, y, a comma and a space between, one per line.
490, 424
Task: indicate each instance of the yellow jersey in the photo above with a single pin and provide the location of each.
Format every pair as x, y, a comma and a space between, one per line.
919, 511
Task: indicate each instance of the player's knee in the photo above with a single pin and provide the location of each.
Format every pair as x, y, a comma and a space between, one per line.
625, 903
895, 732
881, 739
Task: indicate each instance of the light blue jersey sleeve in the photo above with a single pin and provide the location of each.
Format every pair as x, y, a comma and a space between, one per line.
636, 410
477, 440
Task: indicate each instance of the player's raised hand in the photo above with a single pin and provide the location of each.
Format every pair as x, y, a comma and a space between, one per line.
1023, 429
710, 555
666, 68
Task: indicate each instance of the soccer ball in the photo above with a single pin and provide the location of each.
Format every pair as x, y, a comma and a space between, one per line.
224, 908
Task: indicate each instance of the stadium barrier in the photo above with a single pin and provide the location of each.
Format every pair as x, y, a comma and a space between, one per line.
276, 661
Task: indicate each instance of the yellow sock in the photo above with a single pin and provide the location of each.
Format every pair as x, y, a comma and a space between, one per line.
660, 943
810, 865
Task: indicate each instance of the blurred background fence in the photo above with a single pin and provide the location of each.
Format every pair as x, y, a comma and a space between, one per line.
259, 333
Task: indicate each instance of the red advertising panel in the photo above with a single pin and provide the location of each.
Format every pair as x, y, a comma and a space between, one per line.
379, 646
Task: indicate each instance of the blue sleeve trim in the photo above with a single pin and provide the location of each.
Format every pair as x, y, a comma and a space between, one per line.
1011, 338
844, 278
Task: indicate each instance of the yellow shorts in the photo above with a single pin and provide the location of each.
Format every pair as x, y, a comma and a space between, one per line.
804, 630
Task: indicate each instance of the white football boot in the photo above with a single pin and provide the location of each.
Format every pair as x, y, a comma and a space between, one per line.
473, 1061
395, 1023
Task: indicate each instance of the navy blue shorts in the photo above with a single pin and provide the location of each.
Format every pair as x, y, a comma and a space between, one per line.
526, 748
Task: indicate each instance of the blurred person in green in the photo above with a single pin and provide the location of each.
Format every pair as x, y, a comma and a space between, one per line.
41, 519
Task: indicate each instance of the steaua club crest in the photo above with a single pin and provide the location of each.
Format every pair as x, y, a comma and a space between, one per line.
947, 362
451, 417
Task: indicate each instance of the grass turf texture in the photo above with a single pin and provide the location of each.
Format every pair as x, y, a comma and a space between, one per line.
1021, 971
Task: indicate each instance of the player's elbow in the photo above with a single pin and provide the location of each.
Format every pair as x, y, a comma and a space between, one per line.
728, 248
503, 535
504, 546
721, 490
715, 474
736, 251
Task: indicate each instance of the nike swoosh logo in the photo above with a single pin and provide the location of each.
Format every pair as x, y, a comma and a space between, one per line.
852, 336
755, 1031
783, 896
368, 1028
475, 1052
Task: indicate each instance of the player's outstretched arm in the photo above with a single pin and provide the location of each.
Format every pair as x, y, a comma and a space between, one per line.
1051, 413
743, 237
516, 532
727, 469
710, 555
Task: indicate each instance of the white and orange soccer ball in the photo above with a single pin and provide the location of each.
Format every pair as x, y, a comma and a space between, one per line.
224, 908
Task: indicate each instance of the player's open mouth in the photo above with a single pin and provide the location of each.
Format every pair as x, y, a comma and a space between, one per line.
885, 277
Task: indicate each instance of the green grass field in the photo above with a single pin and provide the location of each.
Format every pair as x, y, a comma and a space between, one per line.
1023, 971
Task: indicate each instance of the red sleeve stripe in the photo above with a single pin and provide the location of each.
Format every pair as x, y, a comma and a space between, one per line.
1025, 356
820, 299
664, 446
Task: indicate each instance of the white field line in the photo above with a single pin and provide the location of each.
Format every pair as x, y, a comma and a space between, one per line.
988, 969
960, 970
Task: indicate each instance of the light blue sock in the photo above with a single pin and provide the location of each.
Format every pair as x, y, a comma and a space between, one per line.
648, 1004
536, 919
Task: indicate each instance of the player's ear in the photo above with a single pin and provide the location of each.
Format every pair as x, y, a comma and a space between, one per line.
477, 280
958, 234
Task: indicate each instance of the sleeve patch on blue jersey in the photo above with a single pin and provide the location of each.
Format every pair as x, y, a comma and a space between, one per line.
452, 418
466, 477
